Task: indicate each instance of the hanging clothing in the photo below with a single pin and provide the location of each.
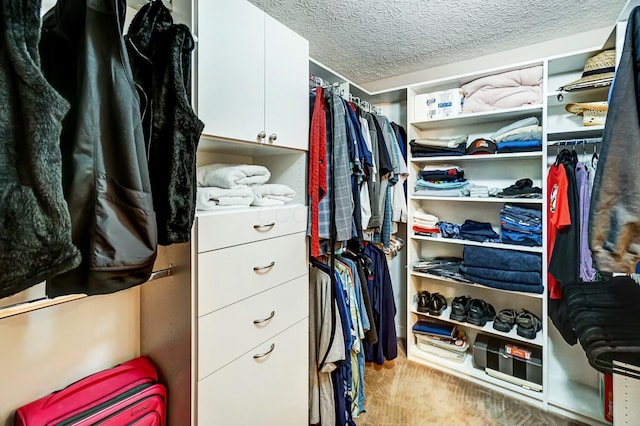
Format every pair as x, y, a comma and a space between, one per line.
104, 165
160, 55
35, 235
615, 202
317, 165
587, 271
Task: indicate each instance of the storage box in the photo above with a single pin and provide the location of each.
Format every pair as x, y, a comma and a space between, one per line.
521, 366
446, 103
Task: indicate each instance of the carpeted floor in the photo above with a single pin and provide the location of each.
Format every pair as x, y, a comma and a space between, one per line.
404, 393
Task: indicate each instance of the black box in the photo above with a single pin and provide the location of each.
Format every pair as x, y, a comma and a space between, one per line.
515, 362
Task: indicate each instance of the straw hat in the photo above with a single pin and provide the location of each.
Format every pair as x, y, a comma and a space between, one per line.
598, 71
593, 113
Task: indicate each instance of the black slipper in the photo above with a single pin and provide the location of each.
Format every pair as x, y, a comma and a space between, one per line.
528, 325
505, 320
423, 301
480, 312
460, 308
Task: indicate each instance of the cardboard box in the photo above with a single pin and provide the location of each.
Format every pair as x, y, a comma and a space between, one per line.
494, 355
446, 103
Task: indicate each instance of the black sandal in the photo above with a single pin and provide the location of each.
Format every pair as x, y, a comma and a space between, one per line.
505, 320
528, 324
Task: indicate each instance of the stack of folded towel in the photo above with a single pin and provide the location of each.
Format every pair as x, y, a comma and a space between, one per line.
441, 180
521, 225
232, 185
521, 136
503, 269
437, 147
425, 224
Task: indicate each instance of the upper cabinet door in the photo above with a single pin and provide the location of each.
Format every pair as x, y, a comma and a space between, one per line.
231, 69
286, 86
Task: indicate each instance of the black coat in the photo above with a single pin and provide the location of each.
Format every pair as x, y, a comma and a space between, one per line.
105, 173
35, 227
160, 54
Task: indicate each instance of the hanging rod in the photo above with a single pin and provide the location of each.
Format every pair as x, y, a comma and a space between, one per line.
575, 141
44, 302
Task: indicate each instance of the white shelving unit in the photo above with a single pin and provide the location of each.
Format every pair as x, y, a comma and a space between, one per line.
570, 385
497, 170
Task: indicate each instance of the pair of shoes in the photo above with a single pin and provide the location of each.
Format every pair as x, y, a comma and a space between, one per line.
523, 188
433, 304
480, 312
528, 324
505, 320
460, 308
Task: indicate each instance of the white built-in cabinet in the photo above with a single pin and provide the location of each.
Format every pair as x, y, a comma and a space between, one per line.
250, 75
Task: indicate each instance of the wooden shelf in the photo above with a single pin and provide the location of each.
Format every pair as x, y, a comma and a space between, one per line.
449, 280
475, 243
487, 328
480, 117
480, 199
485, 157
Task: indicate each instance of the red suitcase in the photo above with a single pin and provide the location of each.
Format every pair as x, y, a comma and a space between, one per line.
127, 394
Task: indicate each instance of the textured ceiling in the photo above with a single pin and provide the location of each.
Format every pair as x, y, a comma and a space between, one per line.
368, 40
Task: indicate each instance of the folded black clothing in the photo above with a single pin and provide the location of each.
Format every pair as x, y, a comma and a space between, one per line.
417, 148
602, 359
520, 277
508, 260
443, 176
521, 188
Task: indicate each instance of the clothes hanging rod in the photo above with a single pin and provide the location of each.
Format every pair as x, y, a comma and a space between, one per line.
582, 141
44, 302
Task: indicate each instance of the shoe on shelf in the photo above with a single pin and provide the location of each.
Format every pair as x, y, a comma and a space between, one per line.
460, 308
480, 312
528, 324
523, 188
424, 299
437, 304
505, 320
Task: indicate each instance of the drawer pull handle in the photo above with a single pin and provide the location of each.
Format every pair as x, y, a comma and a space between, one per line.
260, 321
261, 268
256, 356
264, 227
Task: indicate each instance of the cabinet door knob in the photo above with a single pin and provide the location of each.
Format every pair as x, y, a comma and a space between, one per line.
262, 135
261, 268
260, 321
256, 356
273, 137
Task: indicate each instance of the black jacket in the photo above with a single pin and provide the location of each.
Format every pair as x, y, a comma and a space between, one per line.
160, 54
35, 228
105, 174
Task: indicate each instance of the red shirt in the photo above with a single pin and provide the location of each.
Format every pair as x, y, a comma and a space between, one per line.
557, 217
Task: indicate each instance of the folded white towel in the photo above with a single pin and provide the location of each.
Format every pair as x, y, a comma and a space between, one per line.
210, 198
232, 176
272, 194
421, 214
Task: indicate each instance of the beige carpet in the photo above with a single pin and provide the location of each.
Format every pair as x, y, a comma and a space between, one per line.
404, 393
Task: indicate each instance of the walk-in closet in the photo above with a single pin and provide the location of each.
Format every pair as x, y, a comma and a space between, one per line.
242, 212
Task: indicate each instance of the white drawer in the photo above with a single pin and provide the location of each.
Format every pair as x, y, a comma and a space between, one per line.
269, 390
228, 275
225, 229
227, 333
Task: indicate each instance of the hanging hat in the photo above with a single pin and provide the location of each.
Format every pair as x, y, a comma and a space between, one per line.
598, 71
593, 113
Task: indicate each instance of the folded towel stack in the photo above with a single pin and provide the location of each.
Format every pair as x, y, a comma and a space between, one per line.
232, 185
425, 224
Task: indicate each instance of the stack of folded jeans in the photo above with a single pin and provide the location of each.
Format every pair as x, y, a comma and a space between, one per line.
604, 316
521, 225
510, 270
438, 147
478, 231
